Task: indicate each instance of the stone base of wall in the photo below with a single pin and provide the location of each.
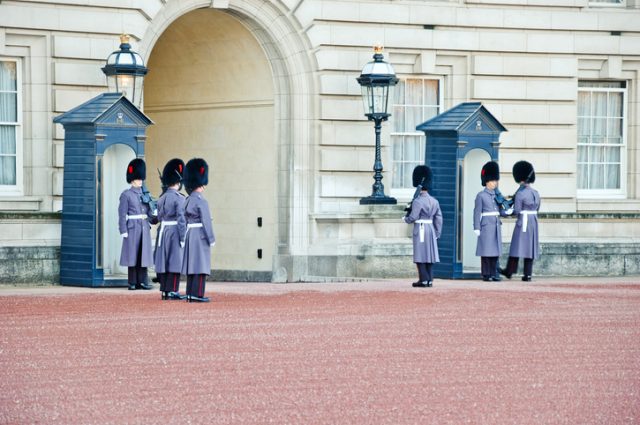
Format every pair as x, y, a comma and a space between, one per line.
35, 265
41, 265
558, 259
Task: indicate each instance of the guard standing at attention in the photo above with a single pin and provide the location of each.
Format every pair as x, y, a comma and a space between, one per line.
196, 264
134, 222
173, 229
524, 242
426, 216
486, 223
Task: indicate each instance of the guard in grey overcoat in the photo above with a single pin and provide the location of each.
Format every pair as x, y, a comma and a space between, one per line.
173, 229
524, 242
200, 238
134, 223
486, 223
426, 216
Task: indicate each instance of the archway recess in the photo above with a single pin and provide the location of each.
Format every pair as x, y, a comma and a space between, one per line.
210, 93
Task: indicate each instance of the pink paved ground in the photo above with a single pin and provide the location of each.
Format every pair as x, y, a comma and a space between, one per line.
549, 352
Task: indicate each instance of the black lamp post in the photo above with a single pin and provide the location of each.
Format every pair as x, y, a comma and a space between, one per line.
376, 78
125, 72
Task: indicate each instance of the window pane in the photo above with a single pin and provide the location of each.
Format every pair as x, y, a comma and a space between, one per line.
614, 127
613, 176
431, 95
430, 112
398, 93
612, 155
599, 127
414, 92
583, 176
8, 76
584, 128
7, 170
414, 117
8, 107
7, 140
584, 103
596, 154
599, 104
596, 176
582, 154
398, 119
615, 104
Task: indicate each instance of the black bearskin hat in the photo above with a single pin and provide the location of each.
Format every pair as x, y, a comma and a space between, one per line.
490, 171
173, 172
523, 172
136, 170
196, 174
423, 174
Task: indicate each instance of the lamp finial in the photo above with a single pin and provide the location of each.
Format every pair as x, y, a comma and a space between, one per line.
124, 38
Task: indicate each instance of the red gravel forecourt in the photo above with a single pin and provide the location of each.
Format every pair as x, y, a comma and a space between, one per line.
554, 351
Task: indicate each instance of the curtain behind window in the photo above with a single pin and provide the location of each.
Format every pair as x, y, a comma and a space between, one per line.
600, 135
8, 122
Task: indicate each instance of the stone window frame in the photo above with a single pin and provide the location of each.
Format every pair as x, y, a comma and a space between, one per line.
17, 189
621, 193
407, 192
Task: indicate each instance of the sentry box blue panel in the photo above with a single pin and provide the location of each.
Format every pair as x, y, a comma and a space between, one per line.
90, 129
459, 141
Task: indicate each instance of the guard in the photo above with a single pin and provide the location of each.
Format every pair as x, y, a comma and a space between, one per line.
426, 217
173, 229
134, 222
196, 264
486, 223
524, 242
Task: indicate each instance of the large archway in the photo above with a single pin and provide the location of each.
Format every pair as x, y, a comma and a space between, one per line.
210, 93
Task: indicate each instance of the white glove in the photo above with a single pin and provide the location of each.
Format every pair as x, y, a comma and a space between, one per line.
509, 211
403, 219
125, 235
477, 232
181, 244
213, 243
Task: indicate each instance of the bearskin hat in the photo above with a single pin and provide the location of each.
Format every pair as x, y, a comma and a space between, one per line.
173, 172
523, 172
136, 170
490, 171
423, 174
196, 173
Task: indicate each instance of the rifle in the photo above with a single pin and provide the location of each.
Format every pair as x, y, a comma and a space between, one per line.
415, 195
162, 185
148, 200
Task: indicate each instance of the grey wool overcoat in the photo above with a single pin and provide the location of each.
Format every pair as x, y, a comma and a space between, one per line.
490, 226
525, 244
197, 248
168, 256
425, 235
138, 231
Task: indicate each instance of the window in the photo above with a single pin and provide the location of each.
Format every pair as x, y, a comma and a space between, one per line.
415, 100
606, 2
10, 160
601, 138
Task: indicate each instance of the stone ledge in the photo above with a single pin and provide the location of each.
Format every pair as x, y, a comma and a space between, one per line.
30, 215
20, 203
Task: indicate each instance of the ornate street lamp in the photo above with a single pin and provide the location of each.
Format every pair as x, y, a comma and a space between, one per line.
125, 72
376, 79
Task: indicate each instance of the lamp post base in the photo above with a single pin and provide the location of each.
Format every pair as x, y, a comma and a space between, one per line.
378, 200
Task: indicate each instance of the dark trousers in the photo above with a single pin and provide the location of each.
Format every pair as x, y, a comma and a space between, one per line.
512, 266
196, 284
488, 266
424, 272
137, 275
169, 282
